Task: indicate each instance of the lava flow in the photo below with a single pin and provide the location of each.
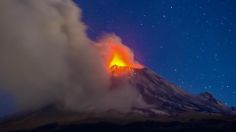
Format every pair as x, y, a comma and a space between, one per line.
118, 58
121, 60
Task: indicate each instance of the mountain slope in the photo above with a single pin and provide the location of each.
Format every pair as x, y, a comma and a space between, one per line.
167, 97
164, 102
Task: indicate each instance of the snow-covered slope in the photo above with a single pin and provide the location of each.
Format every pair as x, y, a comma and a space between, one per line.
165, 98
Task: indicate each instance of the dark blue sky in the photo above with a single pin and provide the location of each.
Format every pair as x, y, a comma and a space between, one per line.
192, 43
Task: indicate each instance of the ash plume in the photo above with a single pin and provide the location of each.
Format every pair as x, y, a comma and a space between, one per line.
46, 57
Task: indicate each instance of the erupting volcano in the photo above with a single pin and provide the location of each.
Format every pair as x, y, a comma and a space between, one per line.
118, 57
117, 61
121, 63
137, 94
54, 78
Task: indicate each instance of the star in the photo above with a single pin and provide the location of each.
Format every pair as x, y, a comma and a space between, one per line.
197, 39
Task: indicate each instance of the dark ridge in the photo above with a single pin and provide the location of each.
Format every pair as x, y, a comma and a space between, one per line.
148, 126
208, 96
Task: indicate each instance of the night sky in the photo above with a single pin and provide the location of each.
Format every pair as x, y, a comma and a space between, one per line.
191, 43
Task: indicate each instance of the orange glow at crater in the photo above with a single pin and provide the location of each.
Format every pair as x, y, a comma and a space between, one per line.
121, 58
117, 61
118, 57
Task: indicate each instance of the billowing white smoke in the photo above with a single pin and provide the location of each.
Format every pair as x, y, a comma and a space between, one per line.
46, 57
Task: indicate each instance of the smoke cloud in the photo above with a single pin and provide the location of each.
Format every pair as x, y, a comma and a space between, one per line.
110, 44
47, 58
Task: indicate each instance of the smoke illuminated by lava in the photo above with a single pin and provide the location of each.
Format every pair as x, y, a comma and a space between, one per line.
117, 60
118, 57
51, 57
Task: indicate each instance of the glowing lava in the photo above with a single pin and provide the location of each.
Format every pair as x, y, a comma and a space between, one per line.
119, 59
119, 66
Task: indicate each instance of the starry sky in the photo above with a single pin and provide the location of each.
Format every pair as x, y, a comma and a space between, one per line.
191, 43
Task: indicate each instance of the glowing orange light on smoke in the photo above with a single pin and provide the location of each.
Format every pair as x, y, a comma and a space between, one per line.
121, 60
118, 57
117, 61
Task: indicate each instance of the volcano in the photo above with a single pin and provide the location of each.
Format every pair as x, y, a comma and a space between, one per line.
164, 98
164, 107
